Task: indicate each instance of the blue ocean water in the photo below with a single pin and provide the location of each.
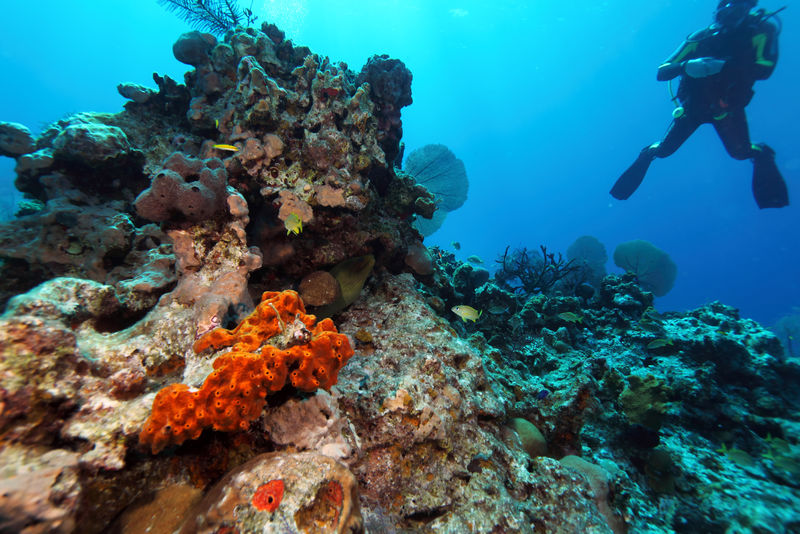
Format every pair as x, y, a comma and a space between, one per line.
545, 102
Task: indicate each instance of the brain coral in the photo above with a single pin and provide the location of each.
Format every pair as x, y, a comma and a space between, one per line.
234, 393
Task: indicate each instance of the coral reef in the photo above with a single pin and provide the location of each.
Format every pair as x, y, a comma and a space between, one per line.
187, 188
390, 87
569, 405
655, 398
310, 142
98, 243
422, 424
39, 488
15, 140
308, 491
121, 299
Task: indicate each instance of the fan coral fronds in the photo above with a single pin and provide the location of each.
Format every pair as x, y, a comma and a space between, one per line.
654, 269
442, 173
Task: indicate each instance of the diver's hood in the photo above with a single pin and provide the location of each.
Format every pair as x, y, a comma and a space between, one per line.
730, 14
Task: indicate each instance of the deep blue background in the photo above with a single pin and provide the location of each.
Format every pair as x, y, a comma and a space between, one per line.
546, 103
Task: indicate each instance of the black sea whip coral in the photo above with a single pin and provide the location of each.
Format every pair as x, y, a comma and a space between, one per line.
215, 16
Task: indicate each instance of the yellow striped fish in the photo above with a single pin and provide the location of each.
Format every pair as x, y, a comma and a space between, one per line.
229, 148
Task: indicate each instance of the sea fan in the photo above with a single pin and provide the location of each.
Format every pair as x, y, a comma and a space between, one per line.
654, 269
215, 16
438, 169
444, 175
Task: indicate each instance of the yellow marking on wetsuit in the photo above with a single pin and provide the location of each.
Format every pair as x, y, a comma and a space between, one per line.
688, 49
720, 116
685, 51
760, 42
755, 147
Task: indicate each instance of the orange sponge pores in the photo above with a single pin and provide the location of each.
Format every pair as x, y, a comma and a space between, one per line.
234, 393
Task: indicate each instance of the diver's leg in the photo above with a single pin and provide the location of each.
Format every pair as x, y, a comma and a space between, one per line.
735, 135
679, 131
769, 188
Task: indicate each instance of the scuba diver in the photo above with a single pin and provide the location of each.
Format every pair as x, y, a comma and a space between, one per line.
718, 67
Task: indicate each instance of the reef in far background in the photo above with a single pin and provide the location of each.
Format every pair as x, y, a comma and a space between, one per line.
142, 389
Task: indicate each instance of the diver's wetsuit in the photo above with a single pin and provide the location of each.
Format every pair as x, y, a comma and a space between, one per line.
750, 52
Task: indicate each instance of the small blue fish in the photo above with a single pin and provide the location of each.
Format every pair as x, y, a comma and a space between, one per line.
497, 309
542, 394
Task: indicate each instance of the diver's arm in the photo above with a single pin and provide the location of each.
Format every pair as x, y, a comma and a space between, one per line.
700, 67
675, 64
669, 71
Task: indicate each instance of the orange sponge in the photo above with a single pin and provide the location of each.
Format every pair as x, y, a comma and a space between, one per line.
234, 393
269, 318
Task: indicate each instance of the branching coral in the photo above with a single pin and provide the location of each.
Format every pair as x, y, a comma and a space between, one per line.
234, 393
531, 273
216, 16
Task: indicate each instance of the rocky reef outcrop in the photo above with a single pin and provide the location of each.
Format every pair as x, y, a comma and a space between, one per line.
306, 136
142, 390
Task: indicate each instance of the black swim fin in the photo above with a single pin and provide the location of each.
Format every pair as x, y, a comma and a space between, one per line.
769, 188
632, 178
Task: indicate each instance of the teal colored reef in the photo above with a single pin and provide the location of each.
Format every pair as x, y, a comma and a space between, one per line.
220, 316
